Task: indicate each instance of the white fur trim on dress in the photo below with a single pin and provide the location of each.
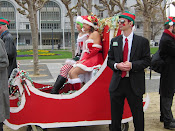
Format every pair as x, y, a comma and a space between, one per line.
86, 43
82, 38
70, 62
85, 68
97, 46
76, 80
89, 41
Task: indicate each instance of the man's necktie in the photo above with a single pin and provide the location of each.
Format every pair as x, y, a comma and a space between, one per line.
125, 56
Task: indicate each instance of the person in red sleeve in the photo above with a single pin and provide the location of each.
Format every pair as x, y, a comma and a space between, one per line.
92, 55
62, 77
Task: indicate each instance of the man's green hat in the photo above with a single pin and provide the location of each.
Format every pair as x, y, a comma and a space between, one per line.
128, 15
4, 21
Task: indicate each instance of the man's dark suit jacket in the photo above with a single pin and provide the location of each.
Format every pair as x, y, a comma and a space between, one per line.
11, 51
167, 53
140, 58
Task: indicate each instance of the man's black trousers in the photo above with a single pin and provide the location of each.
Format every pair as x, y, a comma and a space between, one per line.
117, 97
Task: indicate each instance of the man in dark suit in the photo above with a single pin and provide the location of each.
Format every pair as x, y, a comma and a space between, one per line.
128, 56
167, 83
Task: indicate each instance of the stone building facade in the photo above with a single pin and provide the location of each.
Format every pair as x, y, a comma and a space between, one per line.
54, 27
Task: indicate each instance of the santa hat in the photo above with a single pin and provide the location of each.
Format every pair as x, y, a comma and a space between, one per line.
128, 15
79, 21
170, 21
91, 20
4, 21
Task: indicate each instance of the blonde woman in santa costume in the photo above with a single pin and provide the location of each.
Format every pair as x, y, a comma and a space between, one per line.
92, 55
62, 77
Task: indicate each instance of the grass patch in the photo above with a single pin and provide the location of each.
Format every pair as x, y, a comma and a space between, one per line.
153, 49
55, 54
44, 54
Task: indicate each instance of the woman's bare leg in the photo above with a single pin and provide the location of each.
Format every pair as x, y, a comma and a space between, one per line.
74, 72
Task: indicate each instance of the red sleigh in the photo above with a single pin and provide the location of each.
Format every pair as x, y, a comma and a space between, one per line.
88, 106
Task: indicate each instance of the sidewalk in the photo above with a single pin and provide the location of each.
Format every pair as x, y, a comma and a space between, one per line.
48, 69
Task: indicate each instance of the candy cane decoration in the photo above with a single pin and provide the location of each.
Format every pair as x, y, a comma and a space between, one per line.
18, 65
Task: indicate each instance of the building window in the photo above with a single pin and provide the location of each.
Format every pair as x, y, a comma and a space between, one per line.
7, 11
51, 16
27, 26
101, 14
27, 42
138, 25
47, 39
12, 25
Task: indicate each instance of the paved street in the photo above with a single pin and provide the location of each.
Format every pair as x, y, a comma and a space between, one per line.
49, 69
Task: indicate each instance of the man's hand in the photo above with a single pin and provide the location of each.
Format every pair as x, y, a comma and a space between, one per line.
124, 66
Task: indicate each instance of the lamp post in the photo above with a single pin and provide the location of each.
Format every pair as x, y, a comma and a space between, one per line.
52, 39
40, 28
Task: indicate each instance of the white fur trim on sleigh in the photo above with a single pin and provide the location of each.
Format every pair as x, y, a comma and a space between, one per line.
97, 46
70, 62
85, 68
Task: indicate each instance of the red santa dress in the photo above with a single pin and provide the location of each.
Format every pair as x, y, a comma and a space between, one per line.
92, 56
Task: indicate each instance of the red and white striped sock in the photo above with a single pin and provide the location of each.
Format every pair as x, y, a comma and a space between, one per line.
65, 69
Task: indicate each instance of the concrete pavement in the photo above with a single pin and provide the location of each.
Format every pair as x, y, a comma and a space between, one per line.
48, 69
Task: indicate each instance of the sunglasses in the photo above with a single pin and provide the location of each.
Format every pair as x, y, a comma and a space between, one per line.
121, 21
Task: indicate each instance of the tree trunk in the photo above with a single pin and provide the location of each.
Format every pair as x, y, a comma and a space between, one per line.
34, 32
79, 8
72, 36
35, 46
147, 27
90, 6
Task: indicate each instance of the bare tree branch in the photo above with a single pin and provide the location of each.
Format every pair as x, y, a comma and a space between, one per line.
21, 4
149, 10
39, 4
139, 3
87, 5
173, 3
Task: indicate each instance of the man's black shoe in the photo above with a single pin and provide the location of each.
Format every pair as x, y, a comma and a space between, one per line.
170, 125
162, 120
